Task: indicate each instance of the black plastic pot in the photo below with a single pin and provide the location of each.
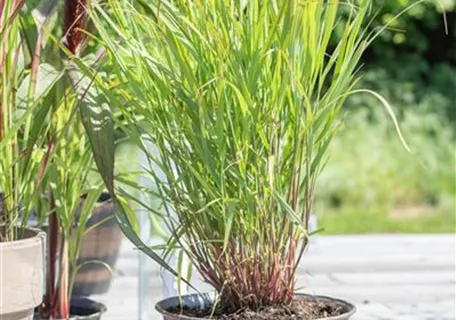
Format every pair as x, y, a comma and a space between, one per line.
205, 301
82, 309
86, 309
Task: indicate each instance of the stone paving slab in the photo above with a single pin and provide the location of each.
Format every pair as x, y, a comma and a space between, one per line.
388, 277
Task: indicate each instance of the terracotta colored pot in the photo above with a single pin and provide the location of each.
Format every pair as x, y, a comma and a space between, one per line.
22, 273
205, 301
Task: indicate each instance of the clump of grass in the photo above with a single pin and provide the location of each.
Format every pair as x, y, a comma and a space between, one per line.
242, 102
24, 145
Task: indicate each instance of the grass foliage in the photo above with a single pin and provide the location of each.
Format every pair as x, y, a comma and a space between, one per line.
24, 145
242, 103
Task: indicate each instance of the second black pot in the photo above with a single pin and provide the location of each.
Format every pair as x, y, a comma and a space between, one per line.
81, 309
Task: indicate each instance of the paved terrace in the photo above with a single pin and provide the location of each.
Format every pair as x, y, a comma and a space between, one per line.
388, 277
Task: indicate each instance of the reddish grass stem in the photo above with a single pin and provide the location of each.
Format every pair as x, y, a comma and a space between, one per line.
75, 16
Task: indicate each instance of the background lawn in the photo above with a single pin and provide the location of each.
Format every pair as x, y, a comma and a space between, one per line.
372, 184
352, 221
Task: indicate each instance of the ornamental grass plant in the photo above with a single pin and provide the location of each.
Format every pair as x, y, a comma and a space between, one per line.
25, 82
242, 100
45, 156
71, 190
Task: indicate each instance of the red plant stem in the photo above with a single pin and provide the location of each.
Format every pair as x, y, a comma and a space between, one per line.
64, 269
74, 19
52, 261
2, 5
55, 303
60, 294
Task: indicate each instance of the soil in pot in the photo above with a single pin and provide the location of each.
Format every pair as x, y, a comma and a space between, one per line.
301, 308
297, 310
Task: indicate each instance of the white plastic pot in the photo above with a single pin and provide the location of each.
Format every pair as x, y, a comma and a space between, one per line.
22, 272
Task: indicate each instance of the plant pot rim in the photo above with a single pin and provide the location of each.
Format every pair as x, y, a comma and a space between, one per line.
208, 298
34, 234
81, 303
96, 315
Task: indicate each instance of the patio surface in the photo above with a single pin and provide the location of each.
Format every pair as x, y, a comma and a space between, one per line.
388, 277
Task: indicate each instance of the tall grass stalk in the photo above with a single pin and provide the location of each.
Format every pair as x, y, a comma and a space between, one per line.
242, 103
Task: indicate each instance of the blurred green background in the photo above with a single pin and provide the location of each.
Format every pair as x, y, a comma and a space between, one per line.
371, 183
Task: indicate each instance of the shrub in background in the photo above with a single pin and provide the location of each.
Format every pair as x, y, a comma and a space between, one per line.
415, 58
369, 169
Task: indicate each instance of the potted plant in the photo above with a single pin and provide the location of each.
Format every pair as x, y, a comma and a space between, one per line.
72, 194
70, 200
242, 102
24, 154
